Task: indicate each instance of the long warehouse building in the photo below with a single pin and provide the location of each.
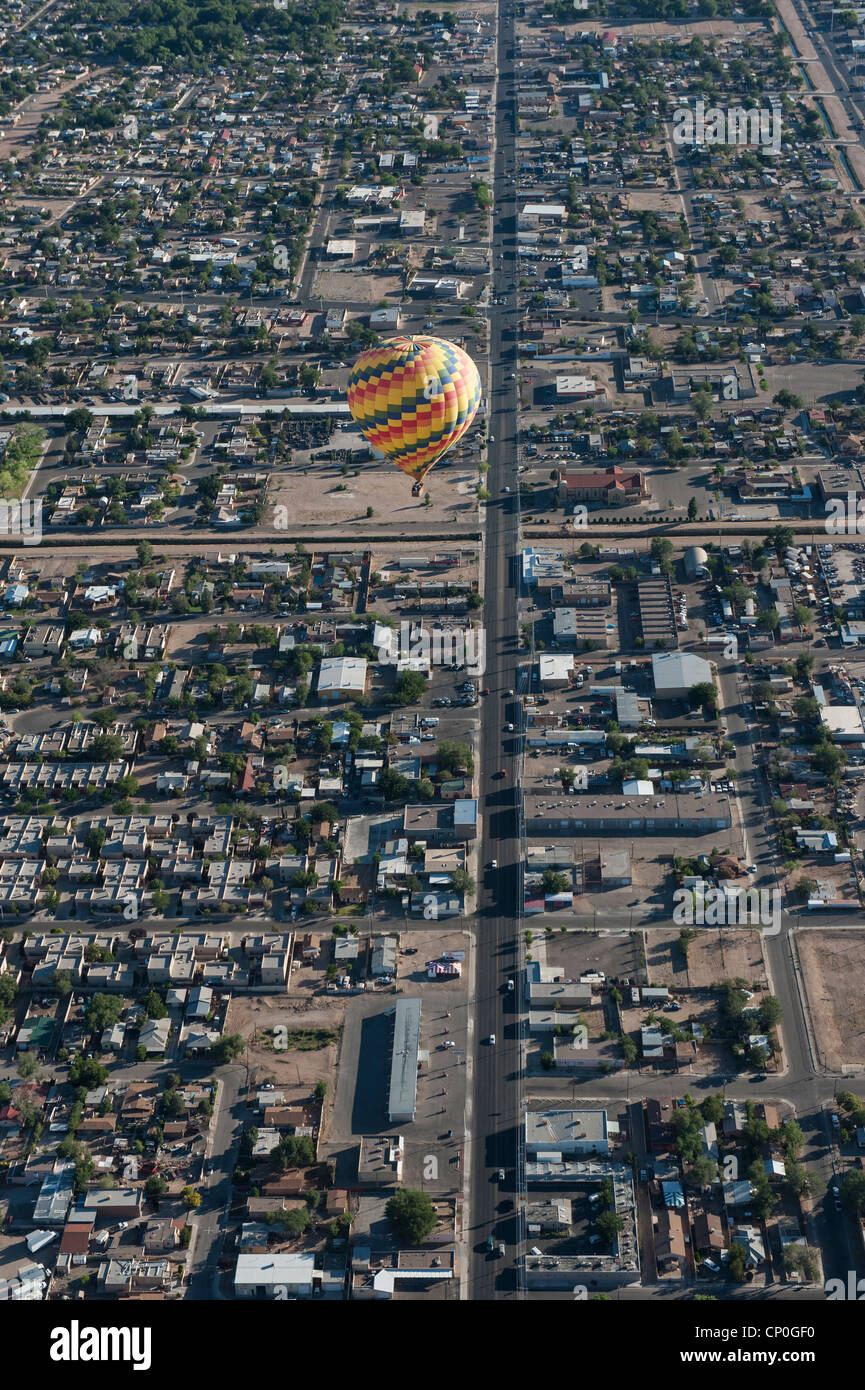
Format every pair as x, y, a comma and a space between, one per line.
402, 1098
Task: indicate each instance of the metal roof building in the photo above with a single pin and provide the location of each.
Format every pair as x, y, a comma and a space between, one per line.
568, 1132
696, 563
402, 1097
263, 1274
55, 1195
674, 673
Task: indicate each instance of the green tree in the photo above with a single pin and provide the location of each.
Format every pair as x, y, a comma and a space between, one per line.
410, 687
736, 1264
800, 1259
95, 838
393, 785
768, 620
462, 882
805, 888
830, 760
802, 1181
8, 993
227, 1048
103, 1012
293, 1223
28, 1067
295, 1151
608, 1225
80, 419
154, 1005
553, 882
703, 693
411, 1215
662, 550
703, 1171
852, 1191
453, 756
173, 1105
87, 1072
712, 1110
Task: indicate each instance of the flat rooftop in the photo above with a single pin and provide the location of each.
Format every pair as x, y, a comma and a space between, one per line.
402, 1096
555, 812
550, 1129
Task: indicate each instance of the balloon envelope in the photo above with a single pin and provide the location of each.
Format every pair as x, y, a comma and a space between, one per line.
413, 399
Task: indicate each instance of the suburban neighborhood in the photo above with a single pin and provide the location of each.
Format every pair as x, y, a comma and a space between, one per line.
450, 892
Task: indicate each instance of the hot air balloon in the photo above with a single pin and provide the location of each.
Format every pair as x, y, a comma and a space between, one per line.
413, 398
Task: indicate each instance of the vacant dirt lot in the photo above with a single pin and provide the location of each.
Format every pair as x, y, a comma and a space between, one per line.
833, 969
713, 955
355, 287
297, 1070
312, 497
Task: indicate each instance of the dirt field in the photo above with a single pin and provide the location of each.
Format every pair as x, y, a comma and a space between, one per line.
712, 956
31, 112
347, 287
833, 880
311, 497
295, 1071
820, 81
833, 969
642, 31
655, 200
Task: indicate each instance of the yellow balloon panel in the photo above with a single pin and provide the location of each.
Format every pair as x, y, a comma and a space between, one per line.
413, 398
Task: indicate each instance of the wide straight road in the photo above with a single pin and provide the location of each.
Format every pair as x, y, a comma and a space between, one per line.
496, 1076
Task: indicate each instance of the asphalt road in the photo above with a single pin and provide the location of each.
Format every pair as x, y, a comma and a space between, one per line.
211, 1219
496, 1074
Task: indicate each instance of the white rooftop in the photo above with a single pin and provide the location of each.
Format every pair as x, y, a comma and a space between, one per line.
675, 670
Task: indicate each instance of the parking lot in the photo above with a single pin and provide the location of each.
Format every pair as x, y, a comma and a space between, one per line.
360, 1102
